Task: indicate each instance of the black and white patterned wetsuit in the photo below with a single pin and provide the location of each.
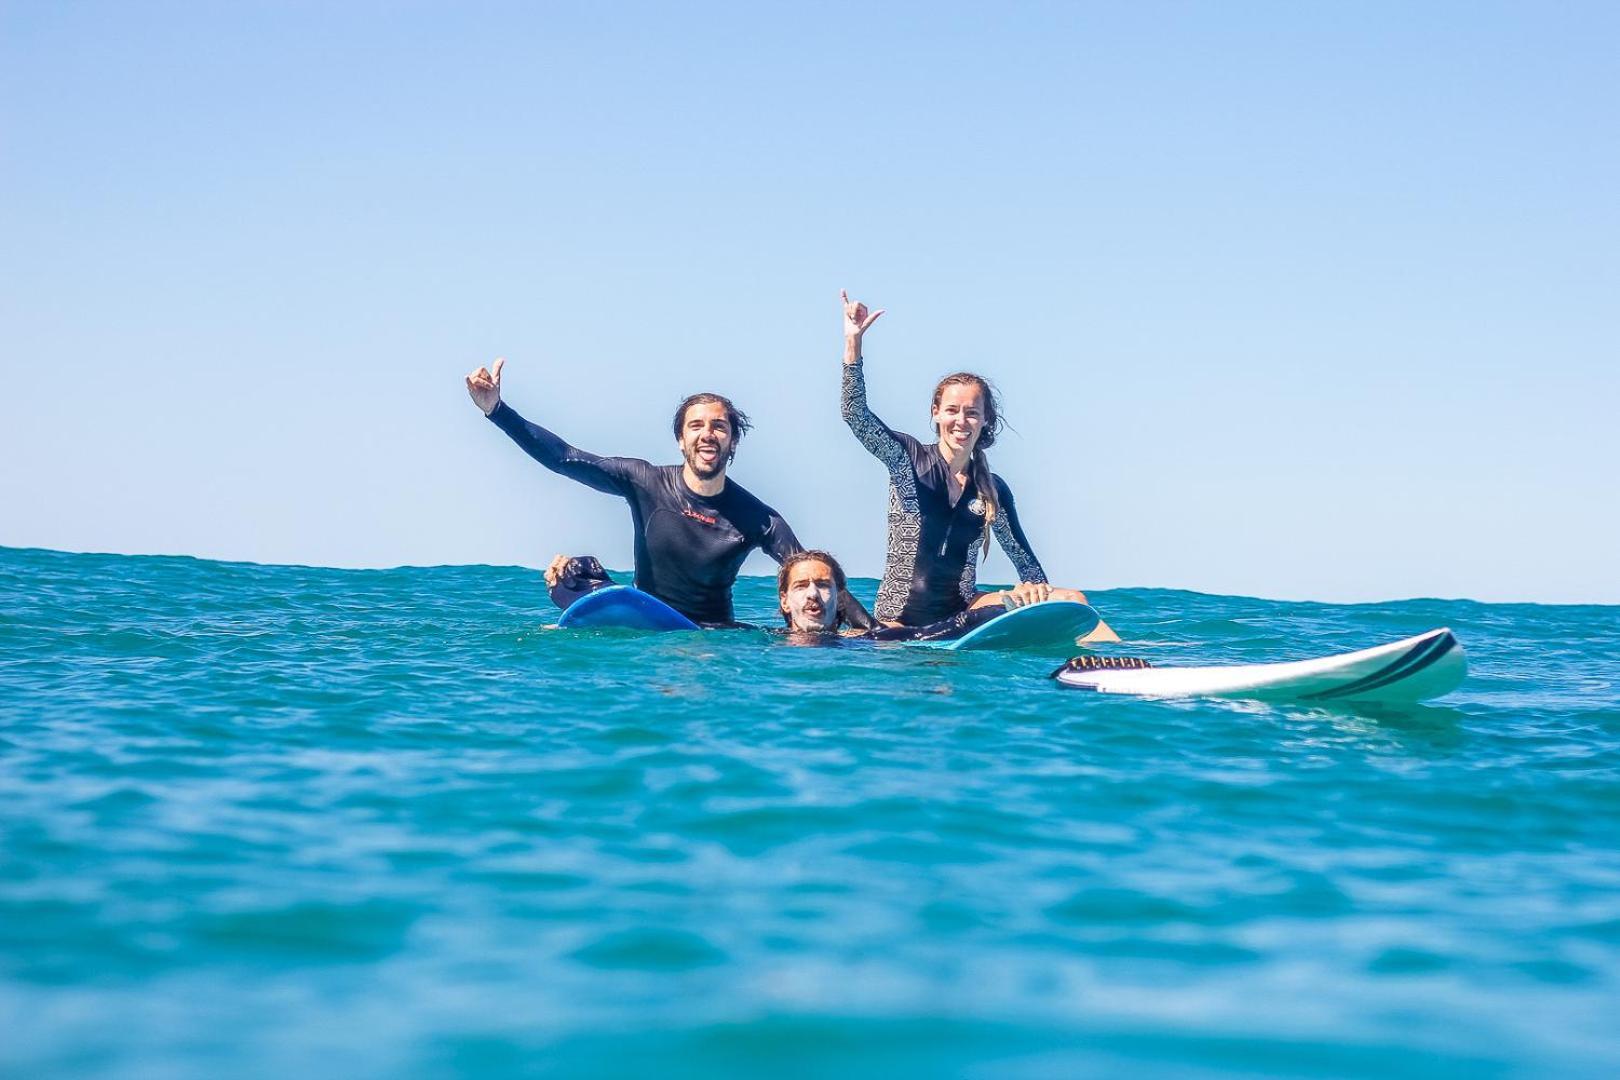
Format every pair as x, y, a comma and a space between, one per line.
932, 567
689, 547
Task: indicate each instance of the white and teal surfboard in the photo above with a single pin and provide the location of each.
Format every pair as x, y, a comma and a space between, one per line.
1403, 672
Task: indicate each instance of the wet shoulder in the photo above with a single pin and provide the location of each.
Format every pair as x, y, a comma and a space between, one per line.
667, 477
638, 470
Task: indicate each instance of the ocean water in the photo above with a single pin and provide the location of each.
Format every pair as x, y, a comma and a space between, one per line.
271, 821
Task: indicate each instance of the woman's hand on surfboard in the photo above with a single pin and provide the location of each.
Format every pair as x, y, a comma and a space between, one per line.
1025, 593
484, 385
857, 320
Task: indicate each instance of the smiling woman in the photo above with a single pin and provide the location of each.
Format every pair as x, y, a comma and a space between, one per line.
944, 502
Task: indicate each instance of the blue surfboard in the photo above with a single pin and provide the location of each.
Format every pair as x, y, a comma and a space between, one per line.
1051, 624
625, 608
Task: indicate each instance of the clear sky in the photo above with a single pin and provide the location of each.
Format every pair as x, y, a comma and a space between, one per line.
1290, 300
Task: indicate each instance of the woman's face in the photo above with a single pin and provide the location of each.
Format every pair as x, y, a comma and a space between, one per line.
960, 417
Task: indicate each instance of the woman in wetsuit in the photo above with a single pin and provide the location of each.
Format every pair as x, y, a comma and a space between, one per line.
944, 502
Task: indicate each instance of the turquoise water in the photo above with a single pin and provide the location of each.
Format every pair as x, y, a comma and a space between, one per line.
261, 821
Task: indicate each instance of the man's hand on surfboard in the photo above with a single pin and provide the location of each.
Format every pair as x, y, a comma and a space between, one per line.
857, 320
484, 385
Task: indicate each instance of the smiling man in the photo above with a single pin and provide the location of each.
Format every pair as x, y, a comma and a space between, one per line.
693, 526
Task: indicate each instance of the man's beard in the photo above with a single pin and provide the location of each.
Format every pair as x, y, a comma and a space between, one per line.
821, 625
701, 468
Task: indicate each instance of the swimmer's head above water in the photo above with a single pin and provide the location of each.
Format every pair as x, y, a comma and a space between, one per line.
807, 590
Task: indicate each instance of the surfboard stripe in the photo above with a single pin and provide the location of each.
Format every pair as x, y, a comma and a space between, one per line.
1407, 657
1414, 661
1442, 649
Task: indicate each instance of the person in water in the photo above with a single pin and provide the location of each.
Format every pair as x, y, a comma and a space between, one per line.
808, 586
693, 526
944, 502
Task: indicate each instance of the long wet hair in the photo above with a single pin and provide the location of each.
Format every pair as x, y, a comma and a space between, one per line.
980, 465
839, 580
738, 419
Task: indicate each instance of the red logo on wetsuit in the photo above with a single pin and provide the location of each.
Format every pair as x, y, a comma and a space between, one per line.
695, 516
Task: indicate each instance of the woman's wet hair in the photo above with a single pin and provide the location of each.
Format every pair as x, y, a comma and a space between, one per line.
738, 419
840, 582
982, 478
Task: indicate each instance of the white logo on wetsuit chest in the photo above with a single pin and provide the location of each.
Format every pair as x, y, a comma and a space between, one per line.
976, 507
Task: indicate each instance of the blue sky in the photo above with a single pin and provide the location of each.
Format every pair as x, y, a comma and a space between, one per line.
1287, 300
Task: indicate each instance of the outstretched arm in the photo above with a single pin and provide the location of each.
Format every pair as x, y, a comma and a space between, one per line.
887, 445
611, 475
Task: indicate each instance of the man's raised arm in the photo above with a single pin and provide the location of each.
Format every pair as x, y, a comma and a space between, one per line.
615, 476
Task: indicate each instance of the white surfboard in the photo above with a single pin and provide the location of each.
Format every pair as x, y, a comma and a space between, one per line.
1404, 672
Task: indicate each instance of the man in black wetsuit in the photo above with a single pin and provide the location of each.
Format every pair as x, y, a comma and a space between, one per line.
693, 526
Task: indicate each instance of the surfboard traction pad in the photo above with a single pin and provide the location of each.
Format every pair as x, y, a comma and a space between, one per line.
1100, 663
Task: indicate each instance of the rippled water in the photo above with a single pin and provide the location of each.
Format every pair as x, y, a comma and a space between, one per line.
262, 820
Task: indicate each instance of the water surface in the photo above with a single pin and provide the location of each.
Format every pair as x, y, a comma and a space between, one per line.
260, 820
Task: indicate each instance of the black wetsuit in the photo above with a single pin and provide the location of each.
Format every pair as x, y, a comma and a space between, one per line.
948, 629
931, 571
689, 547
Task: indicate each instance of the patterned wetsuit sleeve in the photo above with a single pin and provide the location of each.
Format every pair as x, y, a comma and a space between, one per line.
886, 444
1011, 536
896, 451
615, 476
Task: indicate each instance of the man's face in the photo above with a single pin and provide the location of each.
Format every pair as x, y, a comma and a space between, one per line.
706, 439
809, 601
